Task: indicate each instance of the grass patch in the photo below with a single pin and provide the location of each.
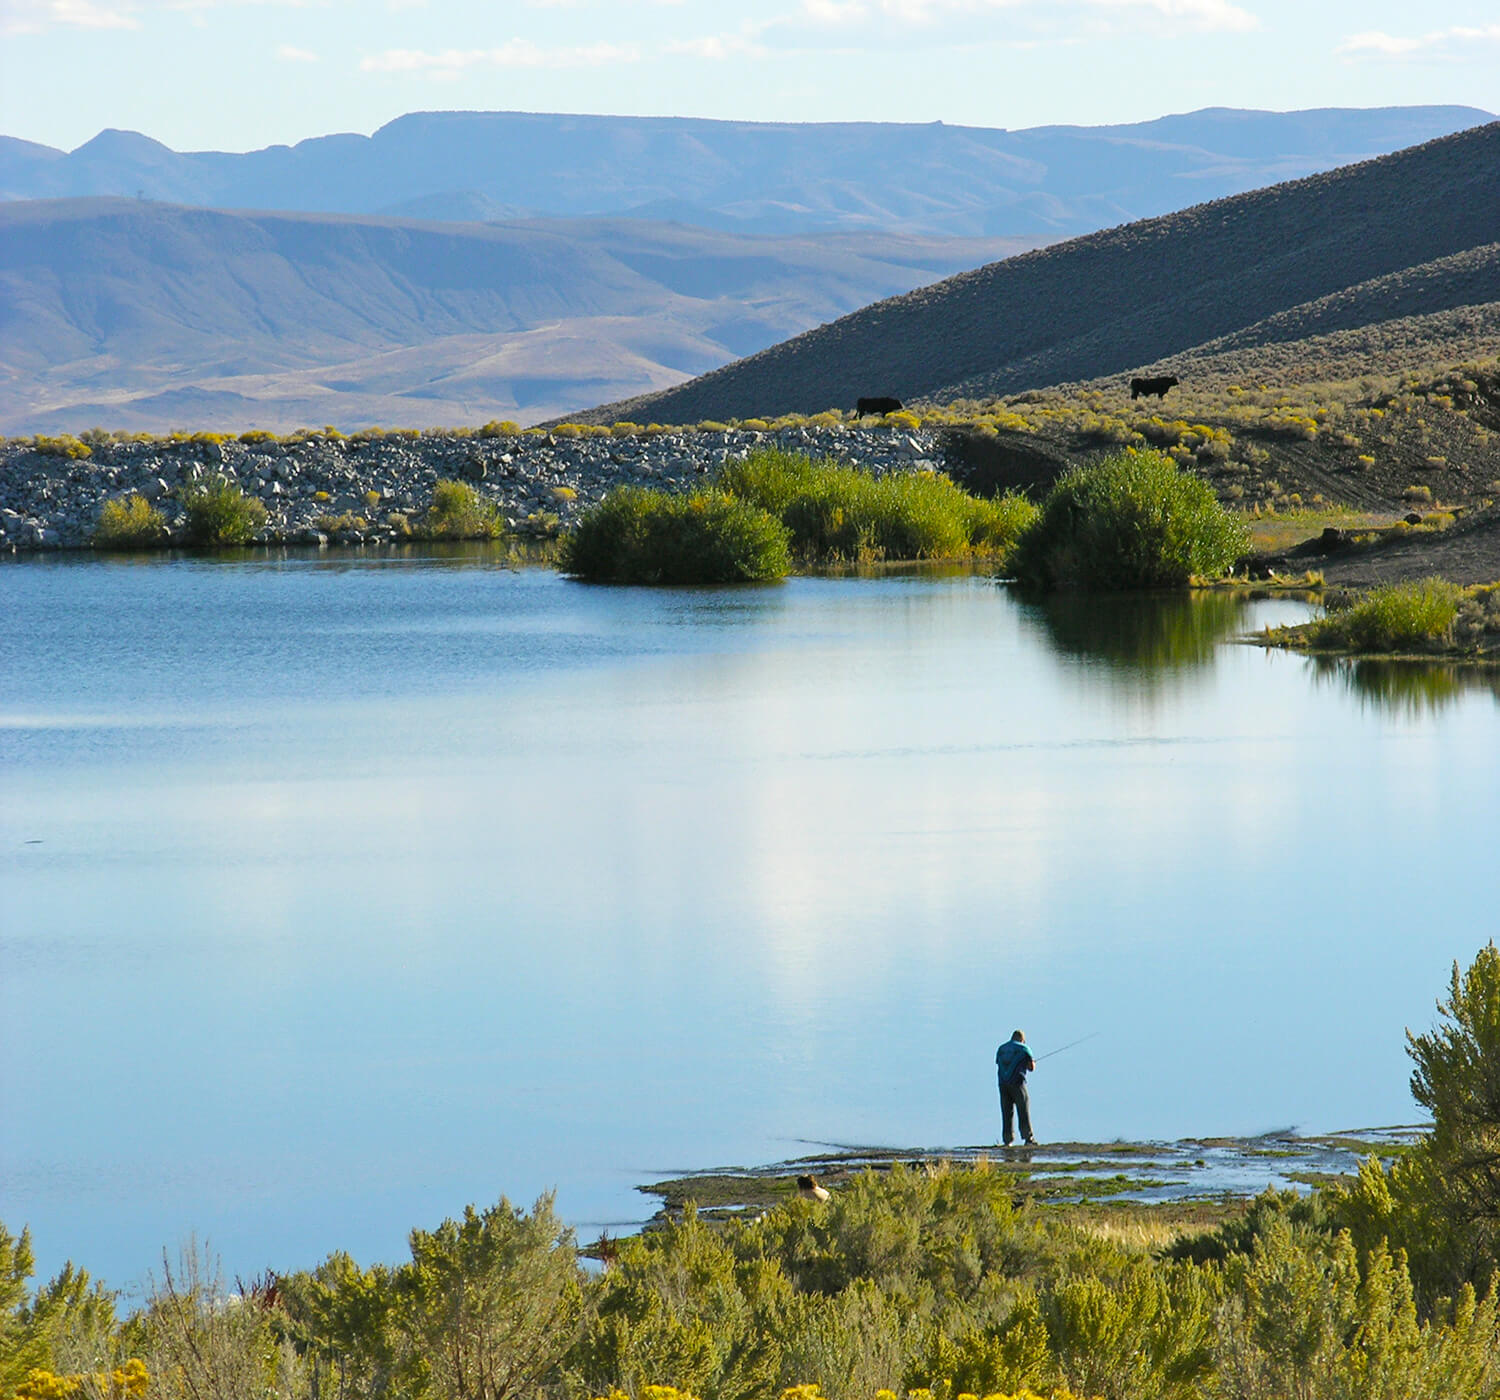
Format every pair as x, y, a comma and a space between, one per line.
459, 512
842, 514
1396, 617
1425, 617
638, 535
1133, 520
129, 522
1278, 532
219, 513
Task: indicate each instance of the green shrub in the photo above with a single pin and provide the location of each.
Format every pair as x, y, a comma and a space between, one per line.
674, 1309
1130, 521
1310, 1320
1146, 1333
129, 522
459, 512
1396, 617
489, 1304
995, 524
218, 512
637, 535
838, 512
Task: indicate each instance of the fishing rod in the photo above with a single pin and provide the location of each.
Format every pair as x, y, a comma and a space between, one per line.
1068, 1046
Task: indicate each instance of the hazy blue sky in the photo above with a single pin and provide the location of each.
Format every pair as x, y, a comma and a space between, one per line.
237, 74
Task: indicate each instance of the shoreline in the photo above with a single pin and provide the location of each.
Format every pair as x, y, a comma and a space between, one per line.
1208, 1176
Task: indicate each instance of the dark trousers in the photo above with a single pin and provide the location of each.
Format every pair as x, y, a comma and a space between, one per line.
1015, 1102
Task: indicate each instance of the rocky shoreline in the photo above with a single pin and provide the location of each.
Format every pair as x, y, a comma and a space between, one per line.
322, 489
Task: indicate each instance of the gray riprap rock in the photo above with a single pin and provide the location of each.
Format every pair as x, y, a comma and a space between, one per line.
47, 496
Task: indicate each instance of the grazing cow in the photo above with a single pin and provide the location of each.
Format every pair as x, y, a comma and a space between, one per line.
865, 406
1157, 386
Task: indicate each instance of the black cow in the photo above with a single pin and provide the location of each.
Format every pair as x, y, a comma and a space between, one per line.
1157, 386
865, 406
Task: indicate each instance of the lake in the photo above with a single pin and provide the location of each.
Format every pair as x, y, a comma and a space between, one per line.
337, 893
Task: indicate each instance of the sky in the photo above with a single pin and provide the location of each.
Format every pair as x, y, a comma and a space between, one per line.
241, 74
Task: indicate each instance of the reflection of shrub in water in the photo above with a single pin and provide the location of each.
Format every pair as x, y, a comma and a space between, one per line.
1407, 687
1149, 633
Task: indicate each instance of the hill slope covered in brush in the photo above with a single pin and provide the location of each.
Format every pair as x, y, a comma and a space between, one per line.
1396, 254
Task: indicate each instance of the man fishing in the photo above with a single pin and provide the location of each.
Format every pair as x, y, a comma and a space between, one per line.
1012, 1063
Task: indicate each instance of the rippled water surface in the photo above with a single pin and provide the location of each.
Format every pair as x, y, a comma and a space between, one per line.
335, 895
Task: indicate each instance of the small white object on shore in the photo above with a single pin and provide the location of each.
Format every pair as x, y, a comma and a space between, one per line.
808, 1188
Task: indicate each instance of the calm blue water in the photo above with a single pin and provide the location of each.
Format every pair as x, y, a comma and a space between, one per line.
336, 895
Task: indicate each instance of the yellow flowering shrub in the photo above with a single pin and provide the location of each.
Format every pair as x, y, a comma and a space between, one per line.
127, 1382
815, 1392
652, 1392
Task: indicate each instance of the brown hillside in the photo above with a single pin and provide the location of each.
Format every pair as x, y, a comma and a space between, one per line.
1407, 235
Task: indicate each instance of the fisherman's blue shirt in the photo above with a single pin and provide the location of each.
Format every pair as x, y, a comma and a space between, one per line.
1013, 1056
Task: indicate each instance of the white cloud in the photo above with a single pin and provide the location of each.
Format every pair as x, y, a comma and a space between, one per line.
717, 46
1199, 16
834, 12
514, 53
290, 53
1173, 16
1379, 44
33, 16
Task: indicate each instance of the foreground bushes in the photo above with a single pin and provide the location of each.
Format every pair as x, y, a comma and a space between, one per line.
1130, 521
637, 535
927, 1283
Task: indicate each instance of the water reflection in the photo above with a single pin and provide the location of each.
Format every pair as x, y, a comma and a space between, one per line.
1162, 634
507, 553
1406, 687
381, 857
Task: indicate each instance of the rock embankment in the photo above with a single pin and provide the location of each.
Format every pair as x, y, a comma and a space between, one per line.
321, 489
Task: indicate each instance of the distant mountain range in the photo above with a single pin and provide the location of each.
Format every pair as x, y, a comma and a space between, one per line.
1381, 265
935, 180
142, 313
132, 314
